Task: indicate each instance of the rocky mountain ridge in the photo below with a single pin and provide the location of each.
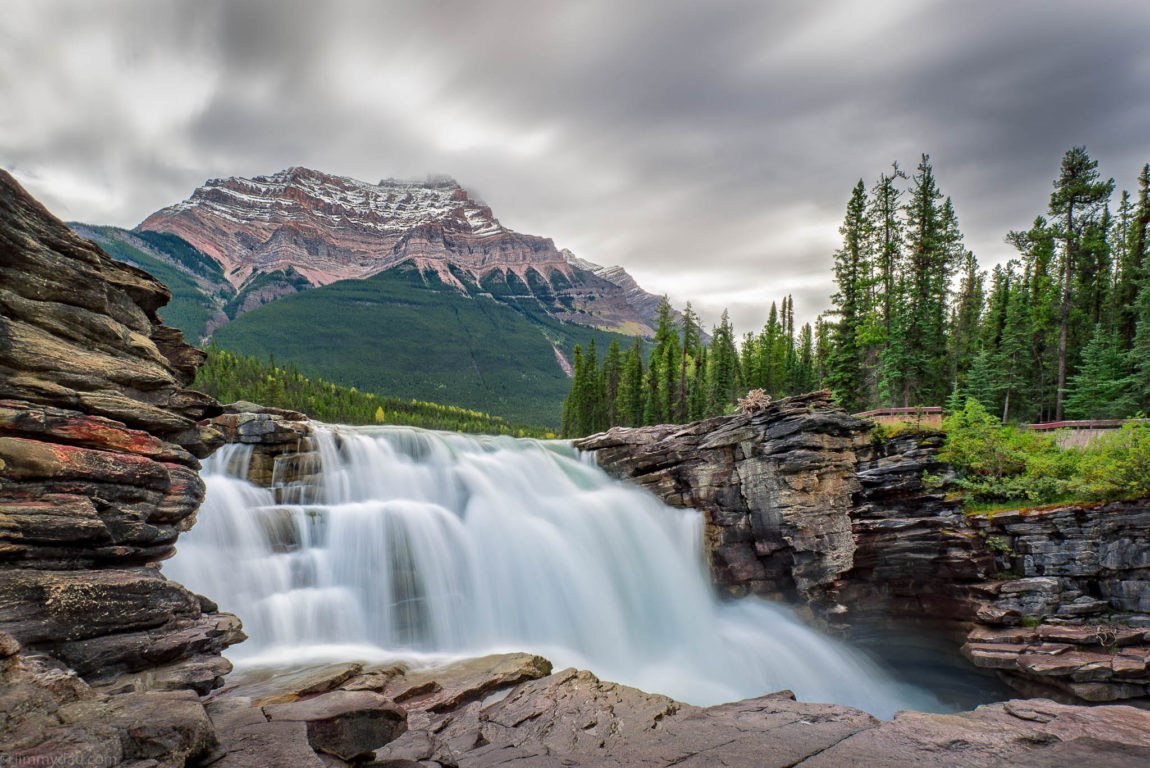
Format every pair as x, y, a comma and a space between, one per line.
329, 228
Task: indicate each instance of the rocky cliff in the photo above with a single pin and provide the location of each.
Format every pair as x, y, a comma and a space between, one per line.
99, 448
803, 503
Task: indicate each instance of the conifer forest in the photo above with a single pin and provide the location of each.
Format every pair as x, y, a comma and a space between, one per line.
1059, 331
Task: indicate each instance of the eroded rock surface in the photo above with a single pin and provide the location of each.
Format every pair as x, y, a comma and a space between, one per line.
511, 710
801, 503
100, 441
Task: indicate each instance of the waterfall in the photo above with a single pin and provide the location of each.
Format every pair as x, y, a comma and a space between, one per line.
421, 544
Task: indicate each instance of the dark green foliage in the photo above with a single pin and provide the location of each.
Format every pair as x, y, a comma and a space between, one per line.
851, 305
916, 323
228, 377
409, 335
183, 253
685, 381
1102, 388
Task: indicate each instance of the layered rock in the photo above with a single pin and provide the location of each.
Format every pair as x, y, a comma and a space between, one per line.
800, 503
278, 449
99, 446
330, 228
1073, 615
511, 710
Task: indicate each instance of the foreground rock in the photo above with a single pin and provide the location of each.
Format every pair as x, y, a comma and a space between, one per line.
802, 503
100, 441
510, 710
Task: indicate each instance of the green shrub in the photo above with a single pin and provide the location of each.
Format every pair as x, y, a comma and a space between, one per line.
1002, 463
1118, 466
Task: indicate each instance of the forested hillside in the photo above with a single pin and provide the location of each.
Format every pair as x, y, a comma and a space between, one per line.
228, 377
1060, 331
404, 333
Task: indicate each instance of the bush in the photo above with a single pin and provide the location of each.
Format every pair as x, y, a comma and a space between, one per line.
1118, 467
1001, 463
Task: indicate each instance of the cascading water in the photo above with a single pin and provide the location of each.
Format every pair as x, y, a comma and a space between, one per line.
418, 543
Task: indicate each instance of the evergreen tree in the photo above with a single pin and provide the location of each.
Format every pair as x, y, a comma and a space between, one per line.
1075, 205
724, 368
1101, 389
845, 366
629, 403
691, 341
983, 383
964, 330
1139, 356
887, 228
932, 240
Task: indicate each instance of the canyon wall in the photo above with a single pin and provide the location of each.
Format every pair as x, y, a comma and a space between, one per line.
803, 502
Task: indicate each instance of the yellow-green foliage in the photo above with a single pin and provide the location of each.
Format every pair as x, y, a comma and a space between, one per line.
1117, 466
997, 463
1001, 465
228, 377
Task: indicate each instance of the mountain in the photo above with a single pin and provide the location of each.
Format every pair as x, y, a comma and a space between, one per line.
406, 333
328, 228
402, 288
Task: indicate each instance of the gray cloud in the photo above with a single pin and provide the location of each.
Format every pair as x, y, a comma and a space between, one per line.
707, 147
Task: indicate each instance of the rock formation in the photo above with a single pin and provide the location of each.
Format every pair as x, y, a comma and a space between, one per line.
330, 228
511, 710
802, 503
99, 448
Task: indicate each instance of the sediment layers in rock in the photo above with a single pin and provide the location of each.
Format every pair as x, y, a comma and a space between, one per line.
99, 446
801, 502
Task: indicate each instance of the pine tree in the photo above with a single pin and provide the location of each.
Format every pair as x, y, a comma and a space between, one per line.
983, 383
724, 370
845, 366
933, 244
964, 330
629, 403
887, 228
1076, 203
1139, 356
691, 340
1101, 389
612, 377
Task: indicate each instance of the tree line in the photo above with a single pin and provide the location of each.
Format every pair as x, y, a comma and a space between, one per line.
1061, 330
228, 377
676, 378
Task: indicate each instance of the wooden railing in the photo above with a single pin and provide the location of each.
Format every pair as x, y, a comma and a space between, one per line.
1083, 424
924, 416
912, 411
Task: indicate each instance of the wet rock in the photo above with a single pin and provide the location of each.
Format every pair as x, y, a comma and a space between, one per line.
349, 725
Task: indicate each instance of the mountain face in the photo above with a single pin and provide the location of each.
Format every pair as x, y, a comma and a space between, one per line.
328, 228
401, 288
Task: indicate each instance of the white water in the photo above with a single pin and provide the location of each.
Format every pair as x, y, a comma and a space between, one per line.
425, 543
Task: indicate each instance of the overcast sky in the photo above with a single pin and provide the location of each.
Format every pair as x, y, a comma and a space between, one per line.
709, 147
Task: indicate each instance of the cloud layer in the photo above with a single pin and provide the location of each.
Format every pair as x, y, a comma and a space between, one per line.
707, 147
